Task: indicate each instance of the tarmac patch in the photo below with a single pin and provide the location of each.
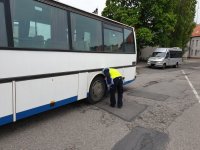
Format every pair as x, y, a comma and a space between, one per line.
143, 139
150, 83
128, 112
148, 95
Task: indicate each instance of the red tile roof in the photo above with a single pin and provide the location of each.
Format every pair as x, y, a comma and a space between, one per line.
196, 31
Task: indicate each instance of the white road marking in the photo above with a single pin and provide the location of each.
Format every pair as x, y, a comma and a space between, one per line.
192, 87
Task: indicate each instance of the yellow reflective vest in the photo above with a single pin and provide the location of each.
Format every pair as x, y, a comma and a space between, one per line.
114, 73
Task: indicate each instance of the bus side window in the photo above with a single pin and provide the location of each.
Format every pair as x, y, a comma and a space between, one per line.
85, 33
129, 45
3, 36
113, 40
36, 23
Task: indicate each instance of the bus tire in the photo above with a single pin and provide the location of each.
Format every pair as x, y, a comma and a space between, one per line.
97, 90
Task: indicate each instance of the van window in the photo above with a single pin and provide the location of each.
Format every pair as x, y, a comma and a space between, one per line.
158, 54
175, 54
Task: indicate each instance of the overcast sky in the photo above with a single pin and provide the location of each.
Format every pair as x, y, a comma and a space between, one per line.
197, 17
87, 5
91, 5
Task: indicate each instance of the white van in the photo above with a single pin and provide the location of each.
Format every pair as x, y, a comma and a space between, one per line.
163, 57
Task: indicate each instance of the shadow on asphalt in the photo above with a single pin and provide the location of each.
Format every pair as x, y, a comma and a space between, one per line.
40, 118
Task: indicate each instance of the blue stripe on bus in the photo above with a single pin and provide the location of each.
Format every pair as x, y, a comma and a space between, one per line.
43, 108
128, 82
6, 119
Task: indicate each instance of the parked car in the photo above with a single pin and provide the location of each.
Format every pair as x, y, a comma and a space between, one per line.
163, 57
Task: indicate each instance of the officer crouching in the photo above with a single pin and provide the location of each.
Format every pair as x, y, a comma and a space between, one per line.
114, 81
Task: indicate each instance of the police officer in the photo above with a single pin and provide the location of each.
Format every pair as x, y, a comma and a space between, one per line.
114, 81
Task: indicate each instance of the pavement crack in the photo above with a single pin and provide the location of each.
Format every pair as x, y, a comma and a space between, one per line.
151, 83
106, 119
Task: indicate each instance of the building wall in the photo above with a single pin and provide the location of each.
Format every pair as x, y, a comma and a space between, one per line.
194, 47
186, 54
146, 52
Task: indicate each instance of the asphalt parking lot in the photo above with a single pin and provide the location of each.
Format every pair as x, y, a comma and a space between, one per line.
160, 112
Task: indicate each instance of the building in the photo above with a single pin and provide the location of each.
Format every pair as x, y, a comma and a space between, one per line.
194, 44
146, 53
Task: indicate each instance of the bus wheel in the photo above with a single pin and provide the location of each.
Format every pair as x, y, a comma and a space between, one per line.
97, 90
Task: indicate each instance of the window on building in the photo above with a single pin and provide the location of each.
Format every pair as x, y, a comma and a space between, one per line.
86, 33
192, 43
3, 35
195, 52
197, 43
39, 26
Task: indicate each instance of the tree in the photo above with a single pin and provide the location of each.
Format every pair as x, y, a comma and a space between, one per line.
157, 22
122, 11
127, 12
185, 11
158, 16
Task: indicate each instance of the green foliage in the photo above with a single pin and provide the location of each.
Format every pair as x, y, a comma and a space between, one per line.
185, 11
144, 36
121, 11
157, 22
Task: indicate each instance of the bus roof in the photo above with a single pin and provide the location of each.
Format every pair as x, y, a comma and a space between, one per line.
64, 6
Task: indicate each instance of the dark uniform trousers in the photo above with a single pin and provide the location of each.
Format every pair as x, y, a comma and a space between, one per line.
118, 85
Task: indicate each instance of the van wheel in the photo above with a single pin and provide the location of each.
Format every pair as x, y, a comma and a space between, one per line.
97, 90
177, 65
164, 66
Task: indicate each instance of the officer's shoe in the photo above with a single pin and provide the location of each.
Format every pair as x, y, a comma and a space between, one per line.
119, 106
112, 105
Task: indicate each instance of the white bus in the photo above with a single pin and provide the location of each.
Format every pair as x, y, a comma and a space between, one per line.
52, 54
